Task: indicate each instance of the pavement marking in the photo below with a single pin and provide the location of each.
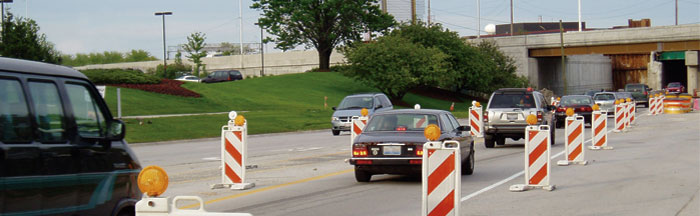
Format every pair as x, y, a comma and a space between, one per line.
506, 179
211, 158
271, 187
472, 195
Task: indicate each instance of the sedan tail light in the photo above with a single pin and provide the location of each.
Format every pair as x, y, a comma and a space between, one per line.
539, 116
486, 116
359, 150
561, 109
419, 150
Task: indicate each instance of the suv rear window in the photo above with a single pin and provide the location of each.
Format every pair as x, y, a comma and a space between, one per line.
512, 100
635, 88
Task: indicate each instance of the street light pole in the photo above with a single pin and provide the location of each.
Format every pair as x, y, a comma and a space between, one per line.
165, 63
262, 51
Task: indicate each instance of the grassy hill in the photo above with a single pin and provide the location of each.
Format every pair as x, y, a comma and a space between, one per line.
272, 104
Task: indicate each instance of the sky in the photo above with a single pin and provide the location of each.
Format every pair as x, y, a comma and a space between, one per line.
84, 26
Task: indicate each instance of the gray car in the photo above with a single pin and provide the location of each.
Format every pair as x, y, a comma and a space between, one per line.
352, 105
605, 101
505, 114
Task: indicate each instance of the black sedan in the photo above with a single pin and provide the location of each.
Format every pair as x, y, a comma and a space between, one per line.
581, 104
392, 142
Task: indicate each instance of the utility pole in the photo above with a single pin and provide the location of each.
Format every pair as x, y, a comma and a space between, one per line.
165, 56
511, 17
428, 12
413, 12
676, 12
478, 15
240, 31
563, 57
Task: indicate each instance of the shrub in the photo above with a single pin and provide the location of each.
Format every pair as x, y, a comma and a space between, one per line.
119, 76
166, 86
174, 71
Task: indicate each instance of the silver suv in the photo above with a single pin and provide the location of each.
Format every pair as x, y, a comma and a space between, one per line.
506, 112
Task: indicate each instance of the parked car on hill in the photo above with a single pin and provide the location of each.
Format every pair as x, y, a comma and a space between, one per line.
188, 78
392, 142
506, 111
351, 106
223, 76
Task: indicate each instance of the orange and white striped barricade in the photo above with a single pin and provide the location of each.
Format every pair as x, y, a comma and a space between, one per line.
476, 120
358, 124
573, 136
634, 114
441, 178
619, 118
234, 144
599, 129
659, 105
652, 105
537, 159
628, 114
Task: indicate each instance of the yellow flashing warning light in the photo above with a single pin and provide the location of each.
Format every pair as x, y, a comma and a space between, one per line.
569, 112
432, 132
364, 112
617, 102
558, 98
153, 181
531, 119
477, 104
239, 121
628, 100
596, 107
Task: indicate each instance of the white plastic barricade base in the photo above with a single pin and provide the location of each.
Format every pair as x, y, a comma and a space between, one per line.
573, 141
537, 159
158, 206
442, 178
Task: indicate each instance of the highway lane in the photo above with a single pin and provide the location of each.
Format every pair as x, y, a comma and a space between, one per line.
304, 174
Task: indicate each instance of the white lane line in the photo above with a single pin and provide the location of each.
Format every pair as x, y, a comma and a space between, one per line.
472, 195
211, 159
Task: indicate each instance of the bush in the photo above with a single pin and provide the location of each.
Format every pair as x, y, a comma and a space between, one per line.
171, 87
119, 76
174, 71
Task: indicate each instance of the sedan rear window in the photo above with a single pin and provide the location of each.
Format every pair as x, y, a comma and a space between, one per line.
512, 101
401, 122
582, 100
604, 97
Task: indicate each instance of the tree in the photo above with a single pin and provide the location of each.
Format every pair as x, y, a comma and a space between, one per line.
20, 38
468, 67
106, 57
502, 69
138, 55
395, 65
195, 44
323, 24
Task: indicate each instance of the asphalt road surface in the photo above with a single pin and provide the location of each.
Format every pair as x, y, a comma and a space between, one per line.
653, 170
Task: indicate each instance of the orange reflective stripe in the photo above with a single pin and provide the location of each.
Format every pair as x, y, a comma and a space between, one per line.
445, 206
537, 178
439, 175
537, 152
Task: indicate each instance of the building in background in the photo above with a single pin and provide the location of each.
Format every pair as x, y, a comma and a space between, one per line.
402, 10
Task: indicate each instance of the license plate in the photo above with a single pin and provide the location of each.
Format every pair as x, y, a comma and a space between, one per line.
392, 150
512, 116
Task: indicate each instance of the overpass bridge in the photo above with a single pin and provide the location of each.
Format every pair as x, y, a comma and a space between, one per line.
607, 59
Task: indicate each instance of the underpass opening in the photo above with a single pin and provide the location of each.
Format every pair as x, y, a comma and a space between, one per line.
674, 71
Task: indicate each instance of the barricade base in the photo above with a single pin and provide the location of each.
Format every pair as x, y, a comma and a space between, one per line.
567, 163
600, 147
524, 187
236, 186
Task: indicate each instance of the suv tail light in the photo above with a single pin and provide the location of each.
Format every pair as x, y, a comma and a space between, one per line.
539, 116
561, 109
486, 116
359, 150
419, 150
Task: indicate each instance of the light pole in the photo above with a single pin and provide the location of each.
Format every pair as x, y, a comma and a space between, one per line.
262, 51
165, 64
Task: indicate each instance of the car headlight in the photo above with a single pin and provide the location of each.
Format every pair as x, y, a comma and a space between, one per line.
334, 118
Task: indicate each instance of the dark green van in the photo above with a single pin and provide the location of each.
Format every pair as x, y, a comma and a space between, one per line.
61, 153
640, 93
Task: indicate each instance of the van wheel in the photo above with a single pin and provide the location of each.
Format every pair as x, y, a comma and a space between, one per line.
362, 176
488, 141
468, 165
335, 132
501, 140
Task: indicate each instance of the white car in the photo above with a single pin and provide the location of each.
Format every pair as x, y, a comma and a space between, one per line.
188, 78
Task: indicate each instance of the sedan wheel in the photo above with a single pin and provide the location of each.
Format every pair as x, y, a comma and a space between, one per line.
468, 165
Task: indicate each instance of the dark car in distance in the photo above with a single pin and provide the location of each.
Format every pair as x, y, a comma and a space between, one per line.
61, 151
675, 87
392, 142
640, 93
581, 104
223, 76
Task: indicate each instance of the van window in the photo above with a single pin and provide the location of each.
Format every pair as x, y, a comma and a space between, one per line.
48, 111
87, 114
15, 126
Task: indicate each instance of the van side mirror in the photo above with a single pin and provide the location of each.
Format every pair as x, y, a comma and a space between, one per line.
464, 128
116, 130
378, 106
333, 108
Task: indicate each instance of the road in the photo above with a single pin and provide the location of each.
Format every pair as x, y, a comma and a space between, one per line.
653, 170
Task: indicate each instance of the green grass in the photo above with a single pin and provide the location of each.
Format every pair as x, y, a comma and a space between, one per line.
282, 103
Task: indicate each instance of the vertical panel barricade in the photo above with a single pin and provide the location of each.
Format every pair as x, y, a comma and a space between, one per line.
441, 178
659, 105
619, 118
537, 159
628, 114
574, 135
633, 113
476, 121
358, 124
234, 144
652, 105
599, 129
